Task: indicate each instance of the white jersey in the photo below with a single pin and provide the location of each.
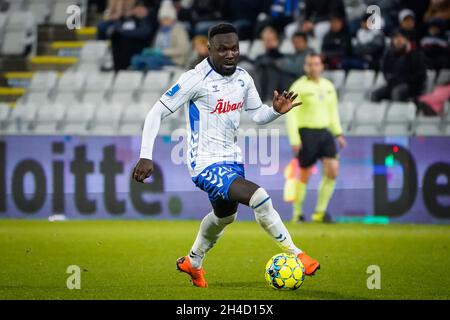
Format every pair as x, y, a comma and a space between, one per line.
213, 109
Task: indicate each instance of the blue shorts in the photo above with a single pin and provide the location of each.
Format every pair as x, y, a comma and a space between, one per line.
217, 178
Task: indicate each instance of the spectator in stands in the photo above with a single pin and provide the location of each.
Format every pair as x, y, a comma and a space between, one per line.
206, 13
200, 46
336, 43
407, 22
242, 14
171, 46
354, 10
130, 35
268, 75
404, 69
438, 9
367, 49
292, 65
116, 10
435, 45
315, 18
278, 14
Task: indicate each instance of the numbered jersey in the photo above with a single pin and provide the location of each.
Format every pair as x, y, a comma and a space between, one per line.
213, 109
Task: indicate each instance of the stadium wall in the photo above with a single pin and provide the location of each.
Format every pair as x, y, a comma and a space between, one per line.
397, 179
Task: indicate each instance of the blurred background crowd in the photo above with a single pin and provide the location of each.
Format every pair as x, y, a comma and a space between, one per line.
407, 38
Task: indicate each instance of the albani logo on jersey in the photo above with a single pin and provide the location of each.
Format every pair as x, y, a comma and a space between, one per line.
224, 107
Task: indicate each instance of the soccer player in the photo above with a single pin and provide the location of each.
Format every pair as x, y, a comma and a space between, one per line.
217, 91
312, 130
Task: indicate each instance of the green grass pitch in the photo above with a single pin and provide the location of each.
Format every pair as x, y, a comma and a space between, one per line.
136, 260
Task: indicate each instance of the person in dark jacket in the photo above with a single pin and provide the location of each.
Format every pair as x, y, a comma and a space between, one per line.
336, 43
435, 45
404, 69
367, 48
131, 34
316, 16
268, 76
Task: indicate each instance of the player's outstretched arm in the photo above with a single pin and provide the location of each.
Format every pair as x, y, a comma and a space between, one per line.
144, 167
284, 102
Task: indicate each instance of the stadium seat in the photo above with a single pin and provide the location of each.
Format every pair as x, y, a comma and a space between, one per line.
38, 97
122, 97
443, 76
79, 118
22, 116
346, 114
149, 98
380, 81
66, 97
5, 110
94, 97
99, 81
396, 129
399, 118
107, 118
20, 30
97, 85
447, 130
59, 14
337, 77
244, 47
156, 81
40, 8
359, 80
431, 80
369, 118
43, 81
287, 47
71, 81
14, 43
94, 50
133, 119
256, 49
127, 80
49, 118
353, 96
176, 74
428, 126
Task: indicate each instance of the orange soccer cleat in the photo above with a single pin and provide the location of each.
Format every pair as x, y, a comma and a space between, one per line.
311, 265
184, 265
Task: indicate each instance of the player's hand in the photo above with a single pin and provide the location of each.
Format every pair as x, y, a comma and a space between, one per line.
341, 142
142, 170
296, 149
284, 102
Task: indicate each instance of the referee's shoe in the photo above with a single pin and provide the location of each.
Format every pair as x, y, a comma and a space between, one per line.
323, 217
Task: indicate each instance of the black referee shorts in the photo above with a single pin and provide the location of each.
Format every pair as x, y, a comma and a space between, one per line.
316, 144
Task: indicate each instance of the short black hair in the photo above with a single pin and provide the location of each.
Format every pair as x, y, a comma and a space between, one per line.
221, 28
315, 54
302, 34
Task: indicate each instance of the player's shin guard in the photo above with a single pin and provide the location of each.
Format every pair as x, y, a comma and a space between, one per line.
211, 229
269, 219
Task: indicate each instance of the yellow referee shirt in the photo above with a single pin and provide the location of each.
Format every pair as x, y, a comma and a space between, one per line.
318, 111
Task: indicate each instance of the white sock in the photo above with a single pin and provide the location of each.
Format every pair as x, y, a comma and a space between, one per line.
211, 229
270, 220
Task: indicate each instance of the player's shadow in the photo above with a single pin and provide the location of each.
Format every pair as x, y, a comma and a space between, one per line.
328, 295
302, 293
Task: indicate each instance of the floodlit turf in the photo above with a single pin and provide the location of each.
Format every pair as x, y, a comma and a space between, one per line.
136, 260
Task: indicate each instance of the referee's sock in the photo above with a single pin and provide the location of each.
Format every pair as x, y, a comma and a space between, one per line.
326, 189
298, 204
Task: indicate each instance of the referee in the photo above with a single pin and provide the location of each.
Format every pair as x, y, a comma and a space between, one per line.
312, 130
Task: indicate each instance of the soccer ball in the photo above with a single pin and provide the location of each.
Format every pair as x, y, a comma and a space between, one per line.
285, 271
